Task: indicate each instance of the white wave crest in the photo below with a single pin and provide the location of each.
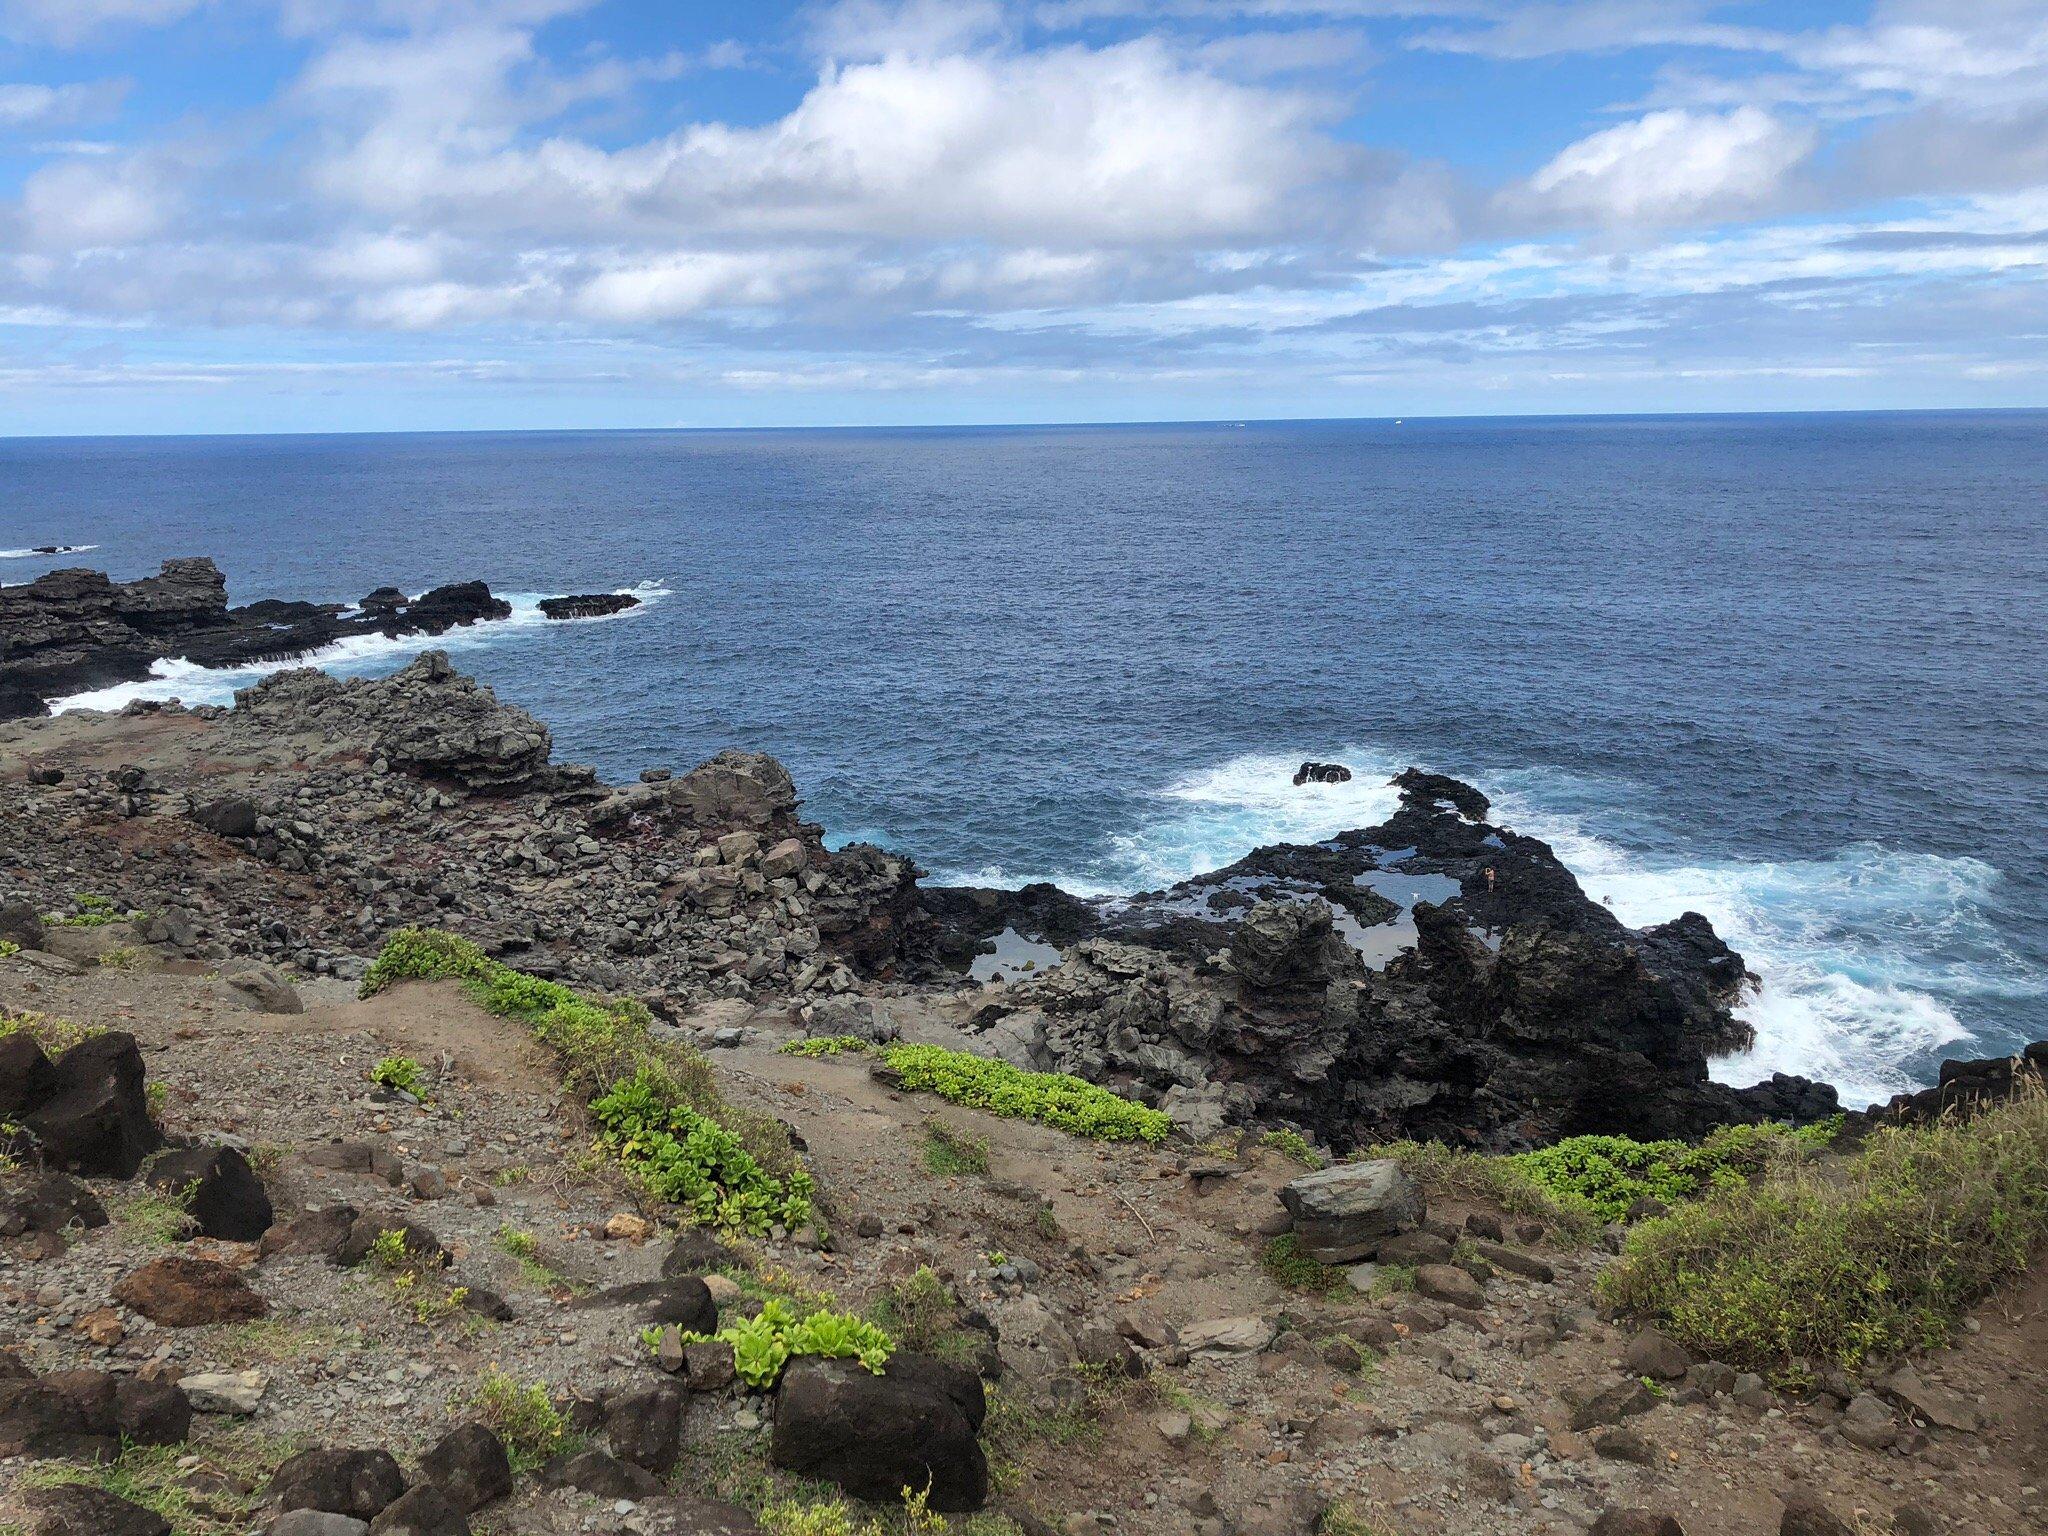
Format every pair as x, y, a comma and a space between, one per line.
1209, 819
356, 656
45, 554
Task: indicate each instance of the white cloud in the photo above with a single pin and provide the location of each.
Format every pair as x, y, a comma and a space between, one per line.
80, 204
1673, 166
1124, 144
35, 106
67, 23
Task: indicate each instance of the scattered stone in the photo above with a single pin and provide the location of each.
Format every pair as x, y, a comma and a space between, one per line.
1653, 1354
602, 1476
1806, 1514
92, 1116
1622, 1401
1626, 1445
1227, 1336
324, 1232
645, 1426
422, 1511
1450, 1285
1637, 1522
267, 991
1868, 1421
1939, 1407
230, 1392
47, 1202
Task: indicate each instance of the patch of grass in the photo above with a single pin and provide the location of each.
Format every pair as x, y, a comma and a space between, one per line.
1046, 1221
1283, 1259
155, 1217
55, 1036
525, 1418
123, 958
274, 1340
657, 1104
401, 1074
921, 1314
764, 1343
1015, 1431
91, 911
150, 1475
949, 1151
1343, 1519
1051, 1098
1293, 1146
8, 947
1392, 1280
1875, 1256
525, 1248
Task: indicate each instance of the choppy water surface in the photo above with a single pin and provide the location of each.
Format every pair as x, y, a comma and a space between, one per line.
1784, 670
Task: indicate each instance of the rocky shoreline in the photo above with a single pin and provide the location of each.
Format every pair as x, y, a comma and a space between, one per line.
74, 631
238, 1195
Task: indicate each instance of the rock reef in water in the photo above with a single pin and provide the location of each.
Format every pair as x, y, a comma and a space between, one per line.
72, 631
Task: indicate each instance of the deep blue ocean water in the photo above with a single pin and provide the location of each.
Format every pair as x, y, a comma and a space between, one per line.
1788, 670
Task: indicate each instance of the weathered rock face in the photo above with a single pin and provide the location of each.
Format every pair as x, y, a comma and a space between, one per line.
874, 1436
1966, 1085
183, 1292
1433, 976
427, 718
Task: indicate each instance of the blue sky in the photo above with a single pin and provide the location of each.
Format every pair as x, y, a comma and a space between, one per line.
338, 215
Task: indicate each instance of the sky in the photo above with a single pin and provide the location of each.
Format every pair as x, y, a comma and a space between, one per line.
360, 215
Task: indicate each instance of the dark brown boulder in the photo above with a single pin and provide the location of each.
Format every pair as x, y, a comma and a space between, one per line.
912, 1427
219, 1188
183, 1292
75, 1510
94, 1118
469, 1466
360, 1484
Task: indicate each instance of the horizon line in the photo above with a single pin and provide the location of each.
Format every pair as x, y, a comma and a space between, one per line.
1048, 424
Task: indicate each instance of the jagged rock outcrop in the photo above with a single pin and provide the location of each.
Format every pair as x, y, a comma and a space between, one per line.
427, 719
1434, 976
1964, 1085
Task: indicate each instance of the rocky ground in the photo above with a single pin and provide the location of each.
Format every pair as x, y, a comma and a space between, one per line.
225, 877
1506, 1405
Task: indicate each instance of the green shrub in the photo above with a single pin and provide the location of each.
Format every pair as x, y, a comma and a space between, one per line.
949, 1151
1611, 1173
764, 1343
8, 947
1052, 1098
401, 1074
823, 1045
918, 1311
688, 1158
1283, 1259
525, 1418
662, 1114
1293, 1146
1874, 1256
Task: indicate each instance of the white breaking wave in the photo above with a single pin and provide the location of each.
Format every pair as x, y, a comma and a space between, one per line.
1856, 951
40, 554
356, 656
1217, 816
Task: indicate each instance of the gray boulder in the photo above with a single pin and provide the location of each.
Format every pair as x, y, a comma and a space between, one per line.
1342, 1214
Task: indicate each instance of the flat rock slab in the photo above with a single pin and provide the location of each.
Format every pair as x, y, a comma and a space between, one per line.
1342, 1214
1227, 1336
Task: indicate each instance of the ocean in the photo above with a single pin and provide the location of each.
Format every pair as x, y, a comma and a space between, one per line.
1790, 671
